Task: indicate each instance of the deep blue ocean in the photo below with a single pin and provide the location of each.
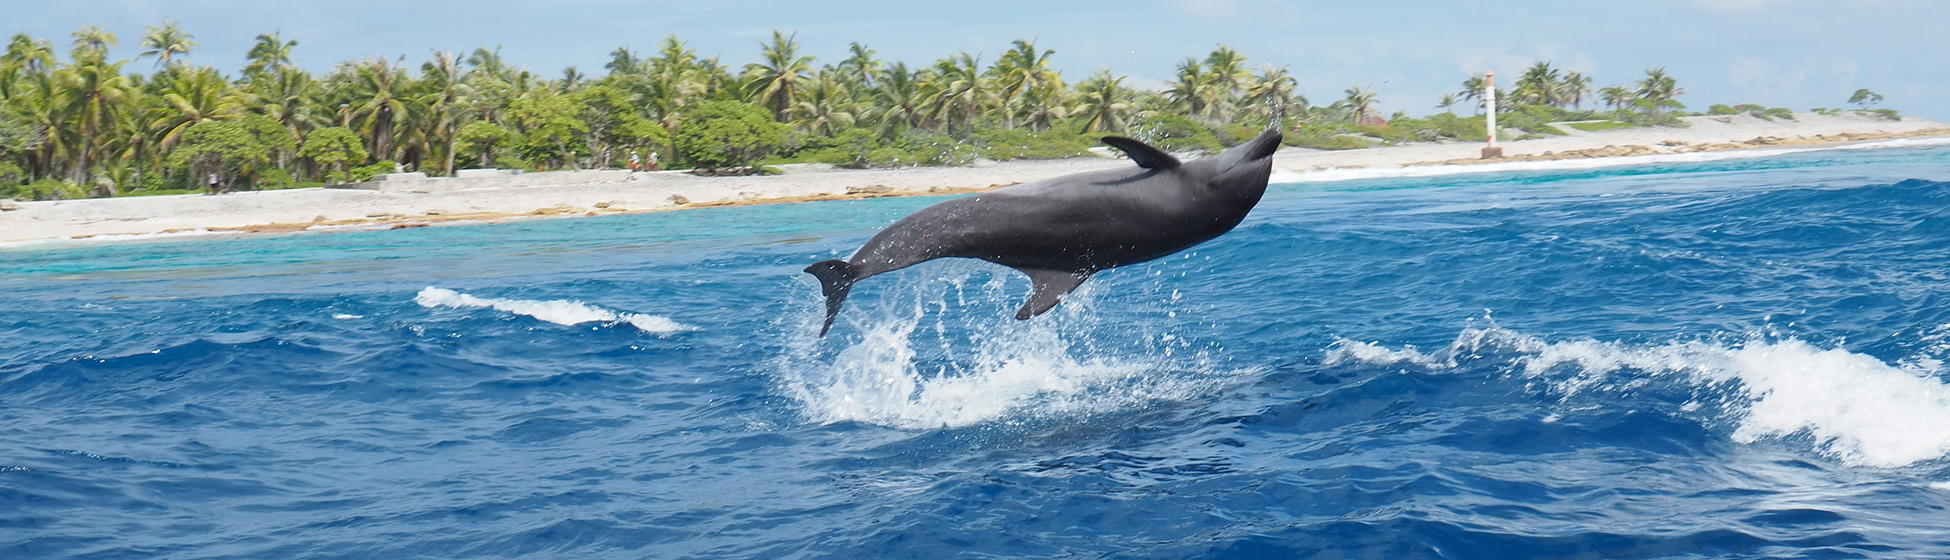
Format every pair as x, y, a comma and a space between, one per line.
1718, 357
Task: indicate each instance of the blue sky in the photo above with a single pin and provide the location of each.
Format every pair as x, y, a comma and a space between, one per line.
1793, 53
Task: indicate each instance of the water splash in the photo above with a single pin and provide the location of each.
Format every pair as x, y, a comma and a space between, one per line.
943, 351
560, 312
1857, 408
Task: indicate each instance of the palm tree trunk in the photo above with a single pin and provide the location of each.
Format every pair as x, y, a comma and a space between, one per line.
566, 156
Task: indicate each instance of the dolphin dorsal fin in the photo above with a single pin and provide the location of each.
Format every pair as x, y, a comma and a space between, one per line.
1146, 156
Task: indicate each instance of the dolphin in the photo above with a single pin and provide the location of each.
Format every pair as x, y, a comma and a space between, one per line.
1062, 230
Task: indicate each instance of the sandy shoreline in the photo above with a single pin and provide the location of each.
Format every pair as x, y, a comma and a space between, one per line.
340, 209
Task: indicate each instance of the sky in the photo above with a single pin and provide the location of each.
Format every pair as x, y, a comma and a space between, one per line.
1798, 54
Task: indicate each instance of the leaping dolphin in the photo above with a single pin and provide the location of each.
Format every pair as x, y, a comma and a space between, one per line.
1062, 230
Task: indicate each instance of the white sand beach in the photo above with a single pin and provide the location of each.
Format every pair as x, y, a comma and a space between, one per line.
330, 209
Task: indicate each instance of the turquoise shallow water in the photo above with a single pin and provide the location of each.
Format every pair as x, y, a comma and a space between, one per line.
1709, 359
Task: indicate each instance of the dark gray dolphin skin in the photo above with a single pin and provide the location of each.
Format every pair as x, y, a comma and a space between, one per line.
1061, 230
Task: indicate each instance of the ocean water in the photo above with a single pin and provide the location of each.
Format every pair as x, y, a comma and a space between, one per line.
1716, 357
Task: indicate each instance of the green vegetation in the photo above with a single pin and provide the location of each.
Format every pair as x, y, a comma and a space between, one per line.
1884, 114
1864, 98
729, 136
74, 123
1769, 113
1595, 126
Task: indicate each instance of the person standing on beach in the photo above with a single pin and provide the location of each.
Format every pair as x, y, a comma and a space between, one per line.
635, 163
653, 160
213, 183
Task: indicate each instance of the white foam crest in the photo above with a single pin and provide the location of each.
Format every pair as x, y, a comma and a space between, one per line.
1856, 408
1335, 174
1347, 351
930, 361
560, 312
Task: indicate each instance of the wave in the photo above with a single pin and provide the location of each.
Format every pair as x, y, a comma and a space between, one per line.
1858, 409
560, 312
1359, 173
925, 357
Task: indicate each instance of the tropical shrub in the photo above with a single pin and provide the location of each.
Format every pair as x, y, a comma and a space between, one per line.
1536, 119
1390, 133
1174, 133
222, 148
945, 151
1235, 134
724, 135
10, 174
1595, 126
51, 189
1758, 111
889, 157
847, 149
275, 179
367, 172
1000, 144
479, 139
1461, 128
1336, 142
1884, 114
334, 146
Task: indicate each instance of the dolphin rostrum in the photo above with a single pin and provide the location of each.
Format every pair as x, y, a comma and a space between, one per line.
1061, 230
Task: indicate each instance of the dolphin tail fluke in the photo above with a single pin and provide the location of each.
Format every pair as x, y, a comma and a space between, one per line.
835, 280
1049, 288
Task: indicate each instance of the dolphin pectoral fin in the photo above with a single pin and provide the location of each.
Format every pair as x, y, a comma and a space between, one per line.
1049, 287
1146, 156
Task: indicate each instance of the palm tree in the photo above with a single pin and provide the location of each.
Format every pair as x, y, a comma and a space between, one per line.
623, 61
897, 99
444, 88
1447, 103
1227, 71
166, 42
1360, 104
860, 67
269, 53
825, 107
677, 80
93, 38
1472, 90
1616, 97
39, 104
286, 96
25, 54
1538, 85
774, 81
1105, 105
488, 62
1272, 95
1043, 106
24, 57
382, 103
1194, 91
93, 92
1020, 70
1658, 90
1576, 89
958, 93
191, 96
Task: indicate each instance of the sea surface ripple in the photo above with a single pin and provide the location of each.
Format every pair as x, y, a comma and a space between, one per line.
1729, 358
